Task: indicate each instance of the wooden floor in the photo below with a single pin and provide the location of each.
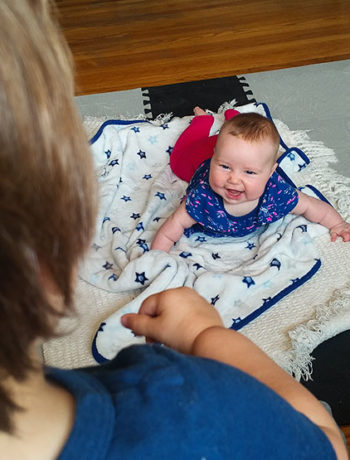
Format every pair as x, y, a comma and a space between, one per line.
125, 44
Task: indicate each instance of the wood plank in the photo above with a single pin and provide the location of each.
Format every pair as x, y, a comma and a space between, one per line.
346, 431
126, 44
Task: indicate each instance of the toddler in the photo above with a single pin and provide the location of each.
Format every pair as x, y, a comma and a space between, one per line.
235, 189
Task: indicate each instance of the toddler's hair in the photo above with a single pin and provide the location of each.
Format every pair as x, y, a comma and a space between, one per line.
252, 127
47, 188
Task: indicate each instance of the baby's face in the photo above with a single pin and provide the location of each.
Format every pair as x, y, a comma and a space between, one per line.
240, 169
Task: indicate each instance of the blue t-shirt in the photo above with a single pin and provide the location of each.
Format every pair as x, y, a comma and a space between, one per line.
153, 403
207, 208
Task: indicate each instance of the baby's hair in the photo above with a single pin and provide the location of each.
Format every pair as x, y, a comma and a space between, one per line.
252, 127
47, 187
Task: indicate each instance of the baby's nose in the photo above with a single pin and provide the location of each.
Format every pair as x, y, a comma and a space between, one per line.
234, 178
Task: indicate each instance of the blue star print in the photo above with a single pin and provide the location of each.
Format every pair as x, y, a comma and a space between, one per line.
291, 156
153, 139
160, 195
108, 154
250, 245
197, 265
165, 126
141, 278
214, 299
115, 229
107, 265
302, 166
201, 239
248, 280
303, 228
215, 255
119, 248
236, 320
113, 277
105, 219
135, 129
125, 198
169, 149
147, 176
141, 154
142, 244
134, 215
139, 226
156, 219
114, 162
185, 254
275, 263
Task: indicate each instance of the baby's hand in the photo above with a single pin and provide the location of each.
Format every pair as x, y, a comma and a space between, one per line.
342, 230
174, 317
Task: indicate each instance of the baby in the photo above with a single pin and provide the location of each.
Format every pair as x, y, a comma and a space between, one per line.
235, 189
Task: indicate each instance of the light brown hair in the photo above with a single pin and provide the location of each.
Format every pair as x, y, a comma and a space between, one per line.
252, 127
47, 185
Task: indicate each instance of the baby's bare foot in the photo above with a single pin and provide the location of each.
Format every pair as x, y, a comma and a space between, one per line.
198, 111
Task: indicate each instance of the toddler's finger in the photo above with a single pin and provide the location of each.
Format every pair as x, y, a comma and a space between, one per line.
141, 325
149, 306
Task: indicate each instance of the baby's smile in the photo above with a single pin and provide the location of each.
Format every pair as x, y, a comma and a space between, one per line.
233, 194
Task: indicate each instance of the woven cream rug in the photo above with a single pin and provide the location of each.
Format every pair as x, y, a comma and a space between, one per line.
289, 331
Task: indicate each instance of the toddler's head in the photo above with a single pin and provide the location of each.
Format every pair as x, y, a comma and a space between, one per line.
244, 158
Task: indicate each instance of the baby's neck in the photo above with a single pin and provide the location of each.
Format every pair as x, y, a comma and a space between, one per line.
240, 209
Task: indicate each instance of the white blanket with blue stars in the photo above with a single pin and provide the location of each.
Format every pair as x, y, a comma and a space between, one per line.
241, 277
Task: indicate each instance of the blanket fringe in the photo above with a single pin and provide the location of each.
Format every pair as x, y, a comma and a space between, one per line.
92, 124
327, 322
333, 185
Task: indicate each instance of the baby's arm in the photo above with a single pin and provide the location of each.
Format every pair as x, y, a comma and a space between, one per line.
323, 213
172, 229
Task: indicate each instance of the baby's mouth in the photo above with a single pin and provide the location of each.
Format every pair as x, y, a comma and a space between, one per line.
233, 194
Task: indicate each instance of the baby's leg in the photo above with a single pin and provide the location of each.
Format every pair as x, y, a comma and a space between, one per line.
230, 113
192, 147
198, 111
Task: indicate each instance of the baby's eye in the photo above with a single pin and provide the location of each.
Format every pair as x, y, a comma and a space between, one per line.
251, 173
224, 166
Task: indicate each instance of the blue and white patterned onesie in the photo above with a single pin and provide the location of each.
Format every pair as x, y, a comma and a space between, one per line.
207, 208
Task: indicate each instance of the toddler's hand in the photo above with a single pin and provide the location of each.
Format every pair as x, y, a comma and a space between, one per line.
174, 317
342, 230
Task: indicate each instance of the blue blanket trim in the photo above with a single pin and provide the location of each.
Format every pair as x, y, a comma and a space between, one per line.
268, 115
238, 324
96, 355
291, 150
318, 193
114, 122
285, 176
283, 144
